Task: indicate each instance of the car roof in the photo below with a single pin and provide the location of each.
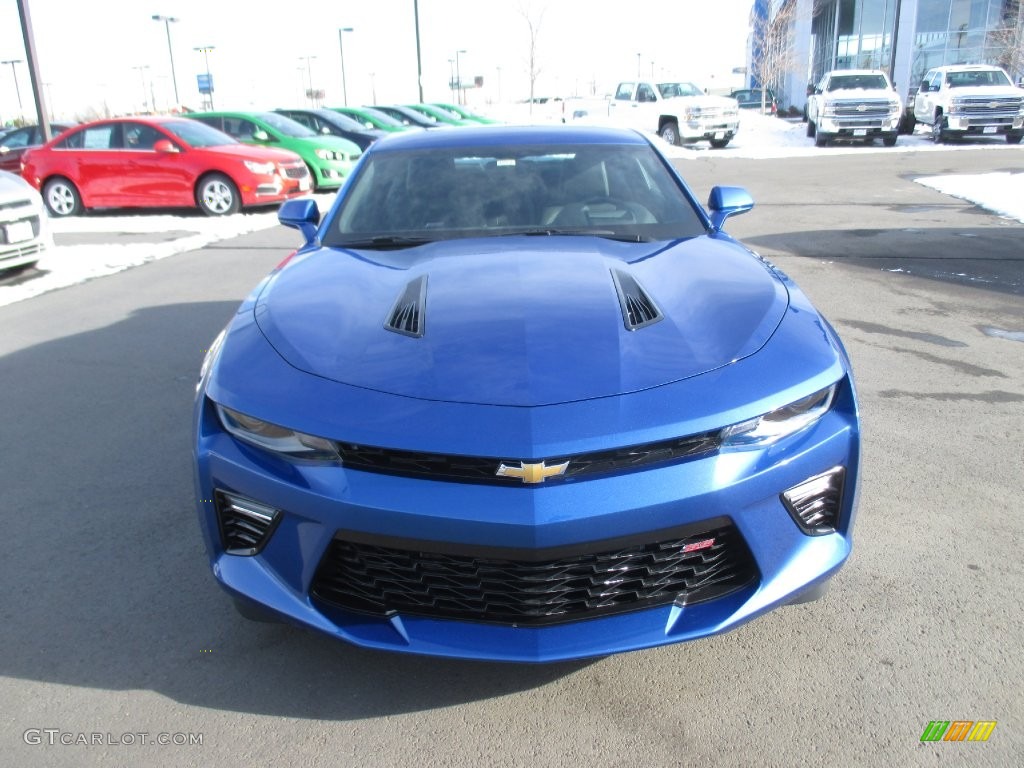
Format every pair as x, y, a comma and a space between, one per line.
968, 68
857, 72
494, 135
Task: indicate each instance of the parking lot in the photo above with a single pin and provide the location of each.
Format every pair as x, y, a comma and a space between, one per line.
112, 624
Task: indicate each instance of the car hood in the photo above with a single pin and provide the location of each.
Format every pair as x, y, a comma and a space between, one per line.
520, 321
14, 188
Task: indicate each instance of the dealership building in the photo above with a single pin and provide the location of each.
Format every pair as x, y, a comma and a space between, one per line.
905, 38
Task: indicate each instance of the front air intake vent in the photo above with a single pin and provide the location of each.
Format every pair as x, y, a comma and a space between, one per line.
638, 309
815, 504
245, 525
406, 316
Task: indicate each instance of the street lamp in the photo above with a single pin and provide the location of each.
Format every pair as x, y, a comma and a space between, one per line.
170, 51
14, 72
341, 50
451, 77
458, 75
142, 74
205, 50
309, 75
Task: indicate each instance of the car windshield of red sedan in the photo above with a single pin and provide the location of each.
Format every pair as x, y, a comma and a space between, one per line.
406, 198
197, 134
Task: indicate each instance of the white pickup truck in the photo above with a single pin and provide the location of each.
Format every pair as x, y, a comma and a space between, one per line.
854, 104
679, 112
970, 99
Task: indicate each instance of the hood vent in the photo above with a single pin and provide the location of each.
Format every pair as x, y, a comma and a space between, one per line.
638, 309
407, 315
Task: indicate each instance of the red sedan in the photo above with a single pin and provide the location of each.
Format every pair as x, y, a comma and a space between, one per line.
160, 162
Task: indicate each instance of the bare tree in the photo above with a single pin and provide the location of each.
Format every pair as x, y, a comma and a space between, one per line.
1008, 40
533, 19
775, 39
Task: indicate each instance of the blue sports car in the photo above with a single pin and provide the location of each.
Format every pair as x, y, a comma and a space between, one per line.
518, 397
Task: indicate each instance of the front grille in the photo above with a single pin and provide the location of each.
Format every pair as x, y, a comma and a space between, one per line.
500, 586
816, 503
1006, 105
13, 204
298, 172
865, 109
478, 469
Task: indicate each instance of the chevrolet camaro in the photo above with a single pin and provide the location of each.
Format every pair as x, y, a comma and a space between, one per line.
519, 397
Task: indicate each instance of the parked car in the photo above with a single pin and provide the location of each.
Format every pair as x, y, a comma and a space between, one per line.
373, 118
753, 98
519, 397
16, 141
409, 117
465, 114
854, 105
440, 115
24, 226
328, 158
159, 162
330, 123
970, 100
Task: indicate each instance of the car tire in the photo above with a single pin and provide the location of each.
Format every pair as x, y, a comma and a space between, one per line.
907, 124
939, 130
889, 139
810, 129
313, 186
719, 143
670, 133
1014, 138
62, 197
821, 139
217, 195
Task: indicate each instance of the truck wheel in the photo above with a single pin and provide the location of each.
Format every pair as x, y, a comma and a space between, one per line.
1014, 138
821, 139
670, 133
889, 139
810, 129
939, 130
719, 143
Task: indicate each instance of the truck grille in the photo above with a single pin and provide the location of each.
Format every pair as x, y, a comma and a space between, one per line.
864, 108
534, 588
1003, 106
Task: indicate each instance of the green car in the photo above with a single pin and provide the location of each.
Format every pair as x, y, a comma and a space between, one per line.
373, 118
329, 158
465, 114
441, 115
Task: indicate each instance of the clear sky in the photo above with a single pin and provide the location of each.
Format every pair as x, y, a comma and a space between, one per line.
111, 52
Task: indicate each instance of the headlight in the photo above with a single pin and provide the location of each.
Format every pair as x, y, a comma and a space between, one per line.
955, 105
828, 108
276, 439
209, 357
781, 422
330, 154
894, 107
262, 168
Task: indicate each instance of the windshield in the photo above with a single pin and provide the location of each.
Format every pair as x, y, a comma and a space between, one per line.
377, 117
403, 198
671, 90
852, 82
286, 125
975, 78
197, 134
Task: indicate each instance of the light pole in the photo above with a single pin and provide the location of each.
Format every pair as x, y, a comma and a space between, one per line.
142, 75
458, 75
170, 51
309, 75
205, 50
451, 77
341, 50
638, 74
14, 72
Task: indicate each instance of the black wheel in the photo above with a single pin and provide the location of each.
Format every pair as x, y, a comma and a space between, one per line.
821, 138
61, 197
939, 129
889, 139
670, 133
1014, 138
810, 129
720, 143
217, 195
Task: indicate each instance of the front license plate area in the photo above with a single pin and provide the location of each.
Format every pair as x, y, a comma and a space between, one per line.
860, 131
989, 129
18, 231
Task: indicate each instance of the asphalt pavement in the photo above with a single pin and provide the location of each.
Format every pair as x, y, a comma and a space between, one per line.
114, 632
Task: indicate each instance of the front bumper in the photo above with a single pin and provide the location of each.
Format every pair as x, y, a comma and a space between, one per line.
978, 125
857, 129
704, 130
321, 507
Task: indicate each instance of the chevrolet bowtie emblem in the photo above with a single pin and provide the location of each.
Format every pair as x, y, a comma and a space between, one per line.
532, 473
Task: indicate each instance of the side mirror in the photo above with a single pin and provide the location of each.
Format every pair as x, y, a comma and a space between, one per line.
260, 135
303, 215
724, 202
165, 146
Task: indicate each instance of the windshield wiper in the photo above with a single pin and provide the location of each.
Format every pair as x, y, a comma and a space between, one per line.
608, 234
386, 243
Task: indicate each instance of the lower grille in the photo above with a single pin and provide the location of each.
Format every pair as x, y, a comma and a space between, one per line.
509, 587
299, 172
245, 525
816, 503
